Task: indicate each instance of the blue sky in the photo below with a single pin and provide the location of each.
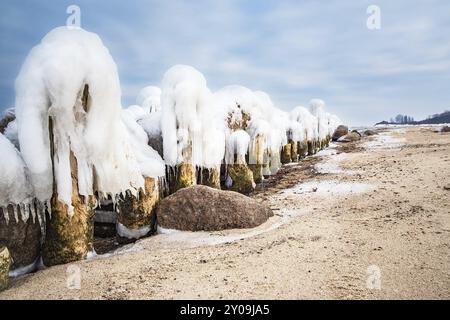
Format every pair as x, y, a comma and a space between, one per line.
294, 50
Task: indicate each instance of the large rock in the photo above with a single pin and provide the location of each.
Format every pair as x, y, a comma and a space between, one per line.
339, 132
23, 239
5, 262
202, 208
445, 129
352, 136
369, 132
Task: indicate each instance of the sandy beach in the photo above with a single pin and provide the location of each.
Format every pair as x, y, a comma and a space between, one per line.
373, 208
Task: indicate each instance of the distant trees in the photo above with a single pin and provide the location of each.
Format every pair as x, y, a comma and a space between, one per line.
402, 119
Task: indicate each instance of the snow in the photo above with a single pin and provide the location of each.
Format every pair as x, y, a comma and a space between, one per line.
12, 134
384, 141
307, 120
125, 232
151, 124
149, 98
50, 85
190, 122
237, 144
328, 188
149, 161
24, 270
14, 186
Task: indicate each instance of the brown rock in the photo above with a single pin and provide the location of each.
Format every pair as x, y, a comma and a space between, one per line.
339, 132
350, 137
370, 132
445, 129
202, 208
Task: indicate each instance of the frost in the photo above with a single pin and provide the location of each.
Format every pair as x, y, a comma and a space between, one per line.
14, 186
12, 134
149, 98
190, 125
131, 233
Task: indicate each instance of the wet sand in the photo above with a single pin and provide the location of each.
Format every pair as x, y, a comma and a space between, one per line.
365, 220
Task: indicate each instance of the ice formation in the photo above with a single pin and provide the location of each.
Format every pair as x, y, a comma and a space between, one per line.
50, 87
150, 163
317, 109
307, 120
149, 98
14, 187
190, 126
12, 134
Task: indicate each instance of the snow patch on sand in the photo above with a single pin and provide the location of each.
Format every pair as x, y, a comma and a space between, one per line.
384, 141
331, 166
327, 188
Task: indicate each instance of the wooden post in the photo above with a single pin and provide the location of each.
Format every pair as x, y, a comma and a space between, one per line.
185, 173
303, 149
5, 263
68, 238
136, 215
242, 178
22, 238
286, 153
209, 177
294, 151
311, 147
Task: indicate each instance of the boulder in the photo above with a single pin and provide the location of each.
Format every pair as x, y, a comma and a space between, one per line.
445, 129
202, 208
5, 262
339, 132
23, 239
350, 137
369, 132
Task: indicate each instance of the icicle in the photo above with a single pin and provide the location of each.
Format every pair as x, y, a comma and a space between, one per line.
6, 214
24, 213
16, 213
33, 211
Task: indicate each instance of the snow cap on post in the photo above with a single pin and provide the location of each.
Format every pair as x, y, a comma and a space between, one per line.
51, 84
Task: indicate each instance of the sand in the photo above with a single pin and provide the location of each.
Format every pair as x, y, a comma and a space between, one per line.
368, 221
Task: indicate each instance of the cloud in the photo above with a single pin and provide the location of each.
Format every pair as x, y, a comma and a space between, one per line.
294, 51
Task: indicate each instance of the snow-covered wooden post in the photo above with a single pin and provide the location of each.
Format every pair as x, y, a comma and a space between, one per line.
72, 138
239, 175
5, 263
257, 154
187, 126
69, 235
243, 149
136, 216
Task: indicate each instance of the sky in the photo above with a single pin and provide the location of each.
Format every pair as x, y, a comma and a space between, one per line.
293, 50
